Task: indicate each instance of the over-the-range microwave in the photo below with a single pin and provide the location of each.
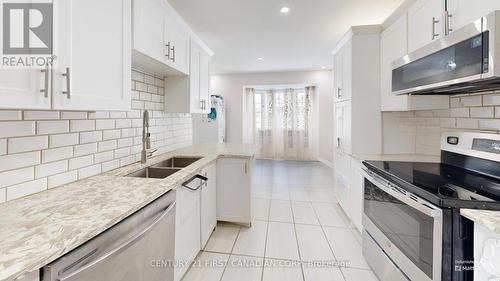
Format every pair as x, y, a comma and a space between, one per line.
466, 61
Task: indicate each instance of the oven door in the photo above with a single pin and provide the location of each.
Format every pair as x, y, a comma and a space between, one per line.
407, 228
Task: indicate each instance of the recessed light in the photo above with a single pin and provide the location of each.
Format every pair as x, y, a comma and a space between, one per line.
260, 58
285, 10
323, 67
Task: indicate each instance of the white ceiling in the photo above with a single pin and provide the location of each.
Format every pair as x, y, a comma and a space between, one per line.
240, 31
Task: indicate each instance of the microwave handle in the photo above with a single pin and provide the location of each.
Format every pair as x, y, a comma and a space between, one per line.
420, 205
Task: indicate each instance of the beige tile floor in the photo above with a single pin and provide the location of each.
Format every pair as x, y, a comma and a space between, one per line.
295, 217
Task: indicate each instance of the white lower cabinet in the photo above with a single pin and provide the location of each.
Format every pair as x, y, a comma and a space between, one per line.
357, 193
208, 204
22, 89
187, 229
234, 190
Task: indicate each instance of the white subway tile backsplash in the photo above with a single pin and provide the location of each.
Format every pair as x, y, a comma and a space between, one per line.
489, 124
85, 149
111, 134
123, 123
82, 125
99, 115
472, 101
80, 162
105, 124
64, 178
491, 99
103, 156
117, 114
52, 127
89, 171
107, 145
11, 115
70, 115
482, 112
16, 176
63, 140
27, 188
56, 154
19, 160
69, 145
41, 115
24, 144
50, 169
3, 146
110, 165
87, 137
10, 129
460, 112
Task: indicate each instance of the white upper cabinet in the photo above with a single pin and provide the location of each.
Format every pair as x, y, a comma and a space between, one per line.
22, 89
177, 44
161, 38
93, 53
425, 23
190, 94
343, 72
393, 45
463, 12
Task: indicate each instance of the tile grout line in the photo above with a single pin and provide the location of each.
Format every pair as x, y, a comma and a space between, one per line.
329, 244
297, 241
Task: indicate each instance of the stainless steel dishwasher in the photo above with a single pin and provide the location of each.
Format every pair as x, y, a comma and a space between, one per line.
139, 248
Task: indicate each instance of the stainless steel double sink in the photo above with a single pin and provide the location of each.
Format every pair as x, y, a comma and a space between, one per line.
164, 168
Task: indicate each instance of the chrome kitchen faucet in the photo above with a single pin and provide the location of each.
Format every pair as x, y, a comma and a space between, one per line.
146, 152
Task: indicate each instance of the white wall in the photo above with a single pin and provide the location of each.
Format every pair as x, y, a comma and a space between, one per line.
231, 87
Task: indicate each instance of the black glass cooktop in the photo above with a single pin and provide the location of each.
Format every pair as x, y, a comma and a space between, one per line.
442, 184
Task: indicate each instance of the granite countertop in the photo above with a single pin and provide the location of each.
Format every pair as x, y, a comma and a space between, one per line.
38, 229
490, 219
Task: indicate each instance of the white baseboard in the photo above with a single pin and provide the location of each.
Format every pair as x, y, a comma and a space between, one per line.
326, 162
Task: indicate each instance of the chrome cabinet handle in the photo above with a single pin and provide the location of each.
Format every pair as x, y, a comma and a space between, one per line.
127, 244
173, 53
201, 104
168, 50
448, 28
434, 22
45, 89
338, 142
339, 92
68, 83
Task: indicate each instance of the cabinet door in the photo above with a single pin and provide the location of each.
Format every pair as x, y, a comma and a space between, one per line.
338, 123
393, 45
93, 48
233, 190
208, 205
337, 72
205, 81
463, 12
357, 194
149, 28
177, 38
21, 89
425, 23
187, 229
194, 79
347, 127
346, 91
342, 180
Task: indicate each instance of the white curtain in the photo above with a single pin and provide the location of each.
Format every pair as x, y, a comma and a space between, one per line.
282, 123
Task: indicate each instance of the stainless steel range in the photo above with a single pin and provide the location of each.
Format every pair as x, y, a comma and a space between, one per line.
412, 224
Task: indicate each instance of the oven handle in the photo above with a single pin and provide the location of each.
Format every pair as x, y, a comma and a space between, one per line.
415, 202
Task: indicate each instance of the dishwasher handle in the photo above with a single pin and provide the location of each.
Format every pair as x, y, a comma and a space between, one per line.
202, 178
122, 247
